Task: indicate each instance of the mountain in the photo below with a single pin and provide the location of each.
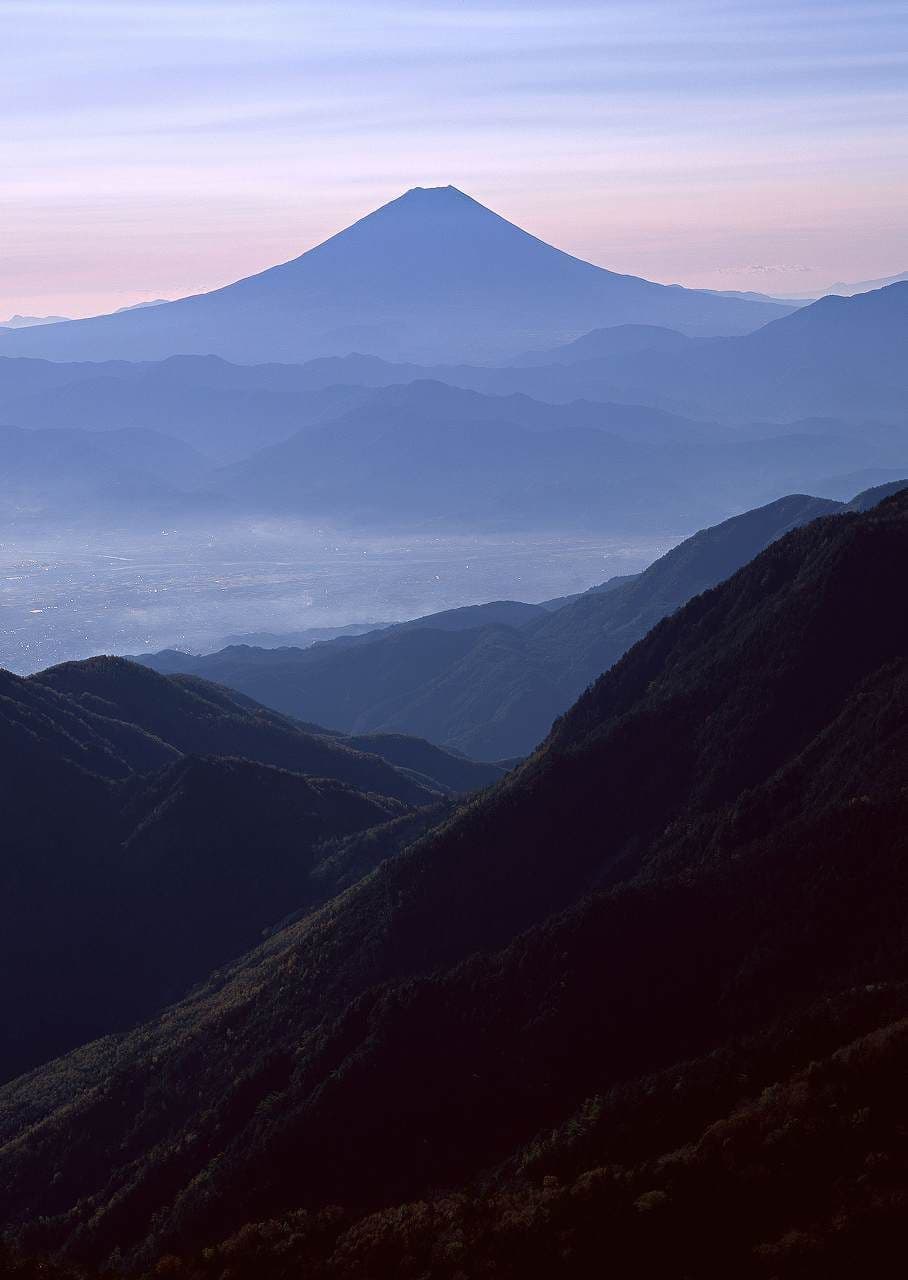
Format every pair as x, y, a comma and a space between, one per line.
840, 358
510, 612
605, 344
643, 1003
871, 497
421, 453
454, 472
27, 322
195, 399
433, 275
137, 306
431, 455
57, 473
866, 286
141, 807
848, 290
493, 687
229, 411
192, 716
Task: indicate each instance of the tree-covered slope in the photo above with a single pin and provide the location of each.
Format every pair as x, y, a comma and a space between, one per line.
154, 827
692, 891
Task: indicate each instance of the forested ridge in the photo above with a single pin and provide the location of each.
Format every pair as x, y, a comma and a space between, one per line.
154, 827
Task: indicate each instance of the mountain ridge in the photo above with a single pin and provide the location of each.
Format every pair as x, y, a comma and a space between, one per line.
177, 805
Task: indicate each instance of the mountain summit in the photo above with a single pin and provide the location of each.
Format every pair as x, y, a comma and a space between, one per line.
433, 275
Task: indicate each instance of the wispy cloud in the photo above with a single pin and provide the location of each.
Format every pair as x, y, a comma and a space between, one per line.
765, 269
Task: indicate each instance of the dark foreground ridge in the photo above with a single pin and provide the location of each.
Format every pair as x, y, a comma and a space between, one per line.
154, 827
642, 1005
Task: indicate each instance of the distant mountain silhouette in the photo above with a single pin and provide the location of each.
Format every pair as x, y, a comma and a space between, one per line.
872, 497
222, 410
493, 687
638, 1010
841, 358
848, 289
27, 322
429, 455
138, 306
230, 411
422, 452
620, 340
433, 275
64, 473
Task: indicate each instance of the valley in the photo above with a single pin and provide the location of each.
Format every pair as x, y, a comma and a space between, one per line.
71, 592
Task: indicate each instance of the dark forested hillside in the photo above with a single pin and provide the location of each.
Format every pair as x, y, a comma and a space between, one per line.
639, 1005
153, 827
492, 691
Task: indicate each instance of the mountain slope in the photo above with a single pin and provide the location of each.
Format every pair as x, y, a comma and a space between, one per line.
431, 275
192, 718
154, 827
492, 691
694, 890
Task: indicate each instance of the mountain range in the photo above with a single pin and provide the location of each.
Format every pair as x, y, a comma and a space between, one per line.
493, 687
433, 275
26, 322
640, 1005
842, 358
635, 427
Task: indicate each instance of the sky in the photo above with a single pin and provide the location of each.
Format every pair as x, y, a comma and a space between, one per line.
155, 149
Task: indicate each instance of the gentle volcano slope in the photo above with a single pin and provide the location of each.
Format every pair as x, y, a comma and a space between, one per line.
432, 275
492, 690
709, 849
153, 827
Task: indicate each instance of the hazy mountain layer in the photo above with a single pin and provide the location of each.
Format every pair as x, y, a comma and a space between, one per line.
814, 401
840, 358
